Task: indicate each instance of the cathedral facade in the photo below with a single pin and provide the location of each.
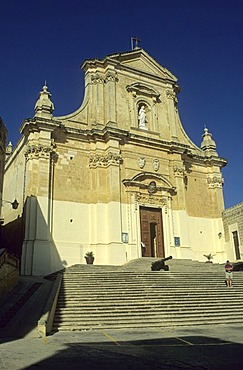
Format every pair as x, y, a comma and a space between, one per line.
118, 177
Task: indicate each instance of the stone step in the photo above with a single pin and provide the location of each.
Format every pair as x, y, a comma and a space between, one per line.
195, 270
148, 276
162, 294
143, 278
145, 265
137, 315
133, 296
157, 322
150, 304
160, 288
147, 298
141, 310
133, 288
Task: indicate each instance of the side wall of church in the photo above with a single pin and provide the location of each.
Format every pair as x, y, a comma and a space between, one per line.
14, 183
197, 237
14, 180
233, 226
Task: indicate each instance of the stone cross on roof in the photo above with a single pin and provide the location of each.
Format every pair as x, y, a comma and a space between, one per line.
137, 40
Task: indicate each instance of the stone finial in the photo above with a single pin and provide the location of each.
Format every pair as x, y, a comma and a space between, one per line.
9, 148
208, 144
44, 106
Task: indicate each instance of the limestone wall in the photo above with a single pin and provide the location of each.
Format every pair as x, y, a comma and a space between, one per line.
233, 222
14, 183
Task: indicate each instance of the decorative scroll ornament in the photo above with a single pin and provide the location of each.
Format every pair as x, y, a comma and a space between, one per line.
141, 162
98, 160
156, 164
215, 182
36, 151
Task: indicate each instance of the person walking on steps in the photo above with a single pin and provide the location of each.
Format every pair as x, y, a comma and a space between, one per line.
229, 274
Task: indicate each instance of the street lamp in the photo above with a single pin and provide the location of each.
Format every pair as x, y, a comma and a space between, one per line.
14, 204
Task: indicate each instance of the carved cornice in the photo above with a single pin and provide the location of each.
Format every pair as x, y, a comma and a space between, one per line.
215, 182
98, 160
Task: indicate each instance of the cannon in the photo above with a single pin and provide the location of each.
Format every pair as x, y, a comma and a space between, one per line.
160, 264
238, 266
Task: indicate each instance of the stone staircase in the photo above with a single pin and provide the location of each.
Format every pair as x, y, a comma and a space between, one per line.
132, 296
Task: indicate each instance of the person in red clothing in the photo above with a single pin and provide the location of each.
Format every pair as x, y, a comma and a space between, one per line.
228, 273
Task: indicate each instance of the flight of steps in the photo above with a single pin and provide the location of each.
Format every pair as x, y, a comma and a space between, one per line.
132, 296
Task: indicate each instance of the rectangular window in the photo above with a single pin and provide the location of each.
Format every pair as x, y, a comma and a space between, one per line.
177, 241
236, 244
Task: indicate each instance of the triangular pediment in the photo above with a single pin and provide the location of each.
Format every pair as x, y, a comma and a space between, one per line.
139, 60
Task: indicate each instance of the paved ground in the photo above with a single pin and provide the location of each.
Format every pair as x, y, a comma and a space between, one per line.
195, 348
200, 348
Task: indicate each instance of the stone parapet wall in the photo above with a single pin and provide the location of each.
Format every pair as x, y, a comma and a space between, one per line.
9, 272
9, 276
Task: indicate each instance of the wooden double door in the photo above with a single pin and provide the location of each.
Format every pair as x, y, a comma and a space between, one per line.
152, 232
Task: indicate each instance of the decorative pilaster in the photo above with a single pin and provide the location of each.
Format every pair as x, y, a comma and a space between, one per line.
172, 107
97, 86
181, 183
110, 86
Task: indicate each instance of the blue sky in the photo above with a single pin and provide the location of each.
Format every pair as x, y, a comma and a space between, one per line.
199, 41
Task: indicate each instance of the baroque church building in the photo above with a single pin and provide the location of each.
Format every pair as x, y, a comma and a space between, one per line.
118, 173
